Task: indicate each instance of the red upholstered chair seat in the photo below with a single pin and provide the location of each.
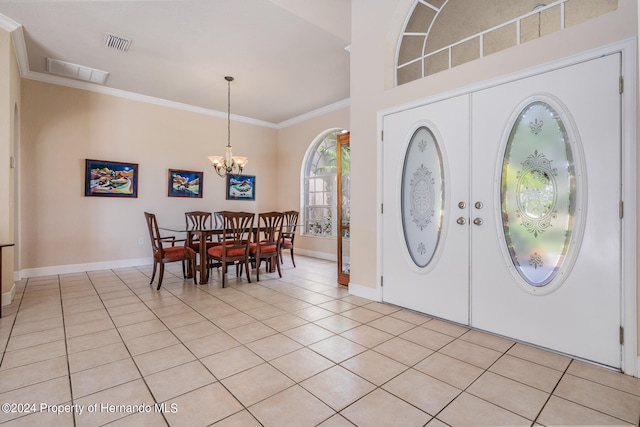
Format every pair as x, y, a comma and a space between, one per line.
216, 251
286, 244
174, 253
196, 245
253, 248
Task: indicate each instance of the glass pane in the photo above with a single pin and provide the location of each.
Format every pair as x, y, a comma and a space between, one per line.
346, 257
538, 193
319, 221
422, 195
346, 184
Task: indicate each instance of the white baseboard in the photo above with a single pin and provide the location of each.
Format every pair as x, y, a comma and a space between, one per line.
367, 292
79, 268
314, 254
7, 297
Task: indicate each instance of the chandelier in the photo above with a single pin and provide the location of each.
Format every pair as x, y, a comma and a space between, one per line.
228, 164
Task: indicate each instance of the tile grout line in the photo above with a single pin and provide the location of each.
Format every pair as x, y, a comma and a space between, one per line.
66, 349
91, 280
182, 343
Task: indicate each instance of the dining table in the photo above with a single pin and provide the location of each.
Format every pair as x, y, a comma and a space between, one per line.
203, 233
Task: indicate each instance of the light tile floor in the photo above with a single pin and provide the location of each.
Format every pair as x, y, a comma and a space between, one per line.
104, 347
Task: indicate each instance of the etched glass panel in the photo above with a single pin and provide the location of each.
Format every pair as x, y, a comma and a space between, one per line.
422, 194
538, 193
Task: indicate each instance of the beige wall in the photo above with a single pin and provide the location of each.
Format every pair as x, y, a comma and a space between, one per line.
293, 142
61, 127
9, 96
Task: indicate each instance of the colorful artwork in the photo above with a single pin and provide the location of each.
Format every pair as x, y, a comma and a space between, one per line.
241, 187
110, 179
185, 183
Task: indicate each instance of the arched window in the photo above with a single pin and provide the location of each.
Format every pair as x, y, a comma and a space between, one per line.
441, 34
319, 186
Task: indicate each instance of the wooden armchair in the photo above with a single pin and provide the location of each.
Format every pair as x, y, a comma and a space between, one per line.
288, 235
267, 244
163, 254
234, 247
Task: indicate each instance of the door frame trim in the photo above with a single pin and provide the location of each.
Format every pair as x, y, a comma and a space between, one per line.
629, 69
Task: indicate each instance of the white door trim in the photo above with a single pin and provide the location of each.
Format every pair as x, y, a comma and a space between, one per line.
629, 292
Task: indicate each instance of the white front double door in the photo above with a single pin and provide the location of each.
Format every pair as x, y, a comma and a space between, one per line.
486, 227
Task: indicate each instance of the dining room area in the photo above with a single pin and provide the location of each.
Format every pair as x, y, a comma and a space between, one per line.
235, 239
111, 230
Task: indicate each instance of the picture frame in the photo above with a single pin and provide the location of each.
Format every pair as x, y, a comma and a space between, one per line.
241, 187
106, 178
184, 183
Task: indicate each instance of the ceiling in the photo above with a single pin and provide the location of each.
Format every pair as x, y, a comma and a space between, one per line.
288, 57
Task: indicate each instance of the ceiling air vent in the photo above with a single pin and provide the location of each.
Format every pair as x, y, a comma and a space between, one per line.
115, 42
75, 71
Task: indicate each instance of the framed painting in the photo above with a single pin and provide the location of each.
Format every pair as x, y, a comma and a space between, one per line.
110, 179
241, 187
185, 183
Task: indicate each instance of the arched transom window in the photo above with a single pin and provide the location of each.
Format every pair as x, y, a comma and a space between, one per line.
441, 34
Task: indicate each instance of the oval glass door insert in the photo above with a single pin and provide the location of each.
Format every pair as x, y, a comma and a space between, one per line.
538, 194
422, 196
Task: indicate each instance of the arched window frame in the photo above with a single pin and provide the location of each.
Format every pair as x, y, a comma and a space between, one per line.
318, 198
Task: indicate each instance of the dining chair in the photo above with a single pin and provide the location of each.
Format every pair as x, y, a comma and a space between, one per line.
234, 247
199, 219
196, 221
267, 243
288, 235
218, 223
173, 253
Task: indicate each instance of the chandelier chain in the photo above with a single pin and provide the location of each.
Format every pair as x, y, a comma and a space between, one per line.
228, 79
228, 164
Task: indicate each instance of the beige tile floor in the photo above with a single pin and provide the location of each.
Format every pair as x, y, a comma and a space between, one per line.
104, 347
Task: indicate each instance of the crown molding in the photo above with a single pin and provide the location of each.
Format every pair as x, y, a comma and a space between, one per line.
19, 45
8, 23
77, 84
315, 113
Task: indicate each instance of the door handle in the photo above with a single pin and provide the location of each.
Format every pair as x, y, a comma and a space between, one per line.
478, 221
461, 221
